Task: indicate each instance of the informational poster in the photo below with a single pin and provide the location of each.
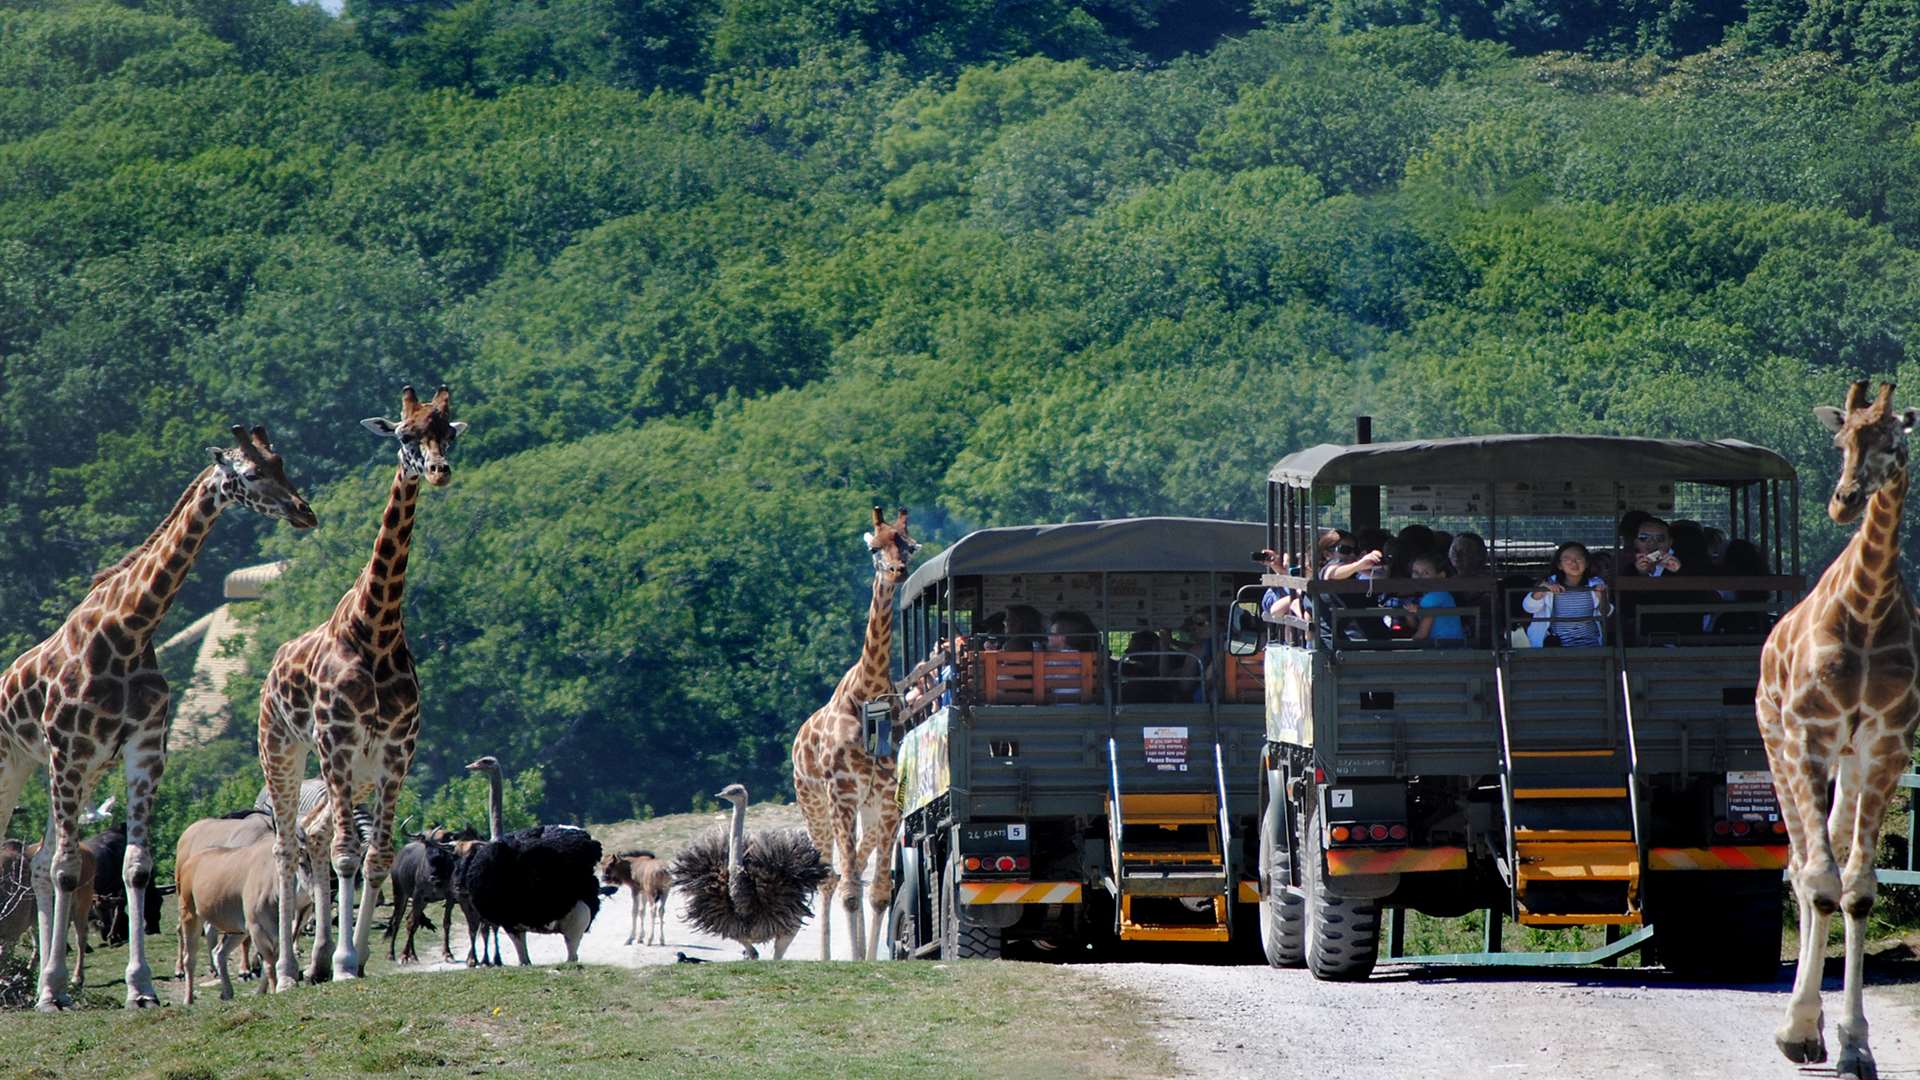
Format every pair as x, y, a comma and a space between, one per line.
1750, 797
1166, 748
1530, 498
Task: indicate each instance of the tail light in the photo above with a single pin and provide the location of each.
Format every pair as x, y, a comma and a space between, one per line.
1341, 834
1003, 864
1721, 828
1779, 828
1397, 832
1741, 828
973, 862
1021, 862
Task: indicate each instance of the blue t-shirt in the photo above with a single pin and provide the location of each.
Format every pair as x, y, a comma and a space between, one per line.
1445, 627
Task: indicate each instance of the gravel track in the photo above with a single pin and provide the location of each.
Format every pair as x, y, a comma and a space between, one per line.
1587, 1024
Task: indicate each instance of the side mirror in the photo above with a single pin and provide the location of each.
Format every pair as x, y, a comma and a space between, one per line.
876, 727
1243, 632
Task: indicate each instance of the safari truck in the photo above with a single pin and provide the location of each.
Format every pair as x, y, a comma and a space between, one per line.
1077, 743
1620, 784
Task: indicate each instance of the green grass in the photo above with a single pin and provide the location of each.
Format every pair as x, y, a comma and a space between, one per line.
766, 1020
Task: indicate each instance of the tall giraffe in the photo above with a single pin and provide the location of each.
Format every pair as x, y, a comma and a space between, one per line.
347, 689
92, 691
838, 784
1837, 703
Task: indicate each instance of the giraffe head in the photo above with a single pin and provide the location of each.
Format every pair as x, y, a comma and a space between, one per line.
1873, 436
252, 474
733, 793
890, 545
426, 433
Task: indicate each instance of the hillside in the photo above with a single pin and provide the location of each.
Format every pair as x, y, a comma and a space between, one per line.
709, 280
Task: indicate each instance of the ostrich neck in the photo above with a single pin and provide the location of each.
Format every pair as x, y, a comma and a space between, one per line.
496, 823
737, 838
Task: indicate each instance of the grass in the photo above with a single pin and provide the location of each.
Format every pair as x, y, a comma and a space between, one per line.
767, 1020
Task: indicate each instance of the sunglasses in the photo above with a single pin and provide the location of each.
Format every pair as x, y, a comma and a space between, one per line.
1347, 549
1650, 537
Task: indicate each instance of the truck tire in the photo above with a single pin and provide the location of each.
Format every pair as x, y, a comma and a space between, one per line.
960, 941
1283, 914
906, 922
1342, 934
1717, 930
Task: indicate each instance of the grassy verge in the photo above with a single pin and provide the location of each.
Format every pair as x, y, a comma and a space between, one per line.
712, 1020
666, 834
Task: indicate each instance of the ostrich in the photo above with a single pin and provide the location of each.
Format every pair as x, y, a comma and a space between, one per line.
749, 888
542, 880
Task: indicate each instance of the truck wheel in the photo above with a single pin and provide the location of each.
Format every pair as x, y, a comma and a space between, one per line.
959, 941
1343, 935
905, 925
1717, 930
1283, 914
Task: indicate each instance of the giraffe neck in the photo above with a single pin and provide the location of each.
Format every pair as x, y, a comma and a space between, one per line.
374, 599
140, 590
1872, 559
870, 678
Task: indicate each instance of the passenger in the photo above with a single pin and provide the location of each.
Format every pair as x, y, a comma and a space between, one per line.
1350, 561
1025, 629
1468, 555
1717, 546
1742, 559
1625, 543
1441, 631
1068, 632
1443, 547
1278, 603
1652, 549
1143, 669
1200, 639
1414, 541
1570, 602
991, 631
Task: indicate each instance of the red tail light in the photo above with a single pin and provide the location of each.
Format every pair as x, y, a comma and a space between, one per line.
973, 862
1779, 828
1340, 834
1003, 864
1377, 832
1721, 828
1319, 775
1020, 862
1397, 832
1741, 828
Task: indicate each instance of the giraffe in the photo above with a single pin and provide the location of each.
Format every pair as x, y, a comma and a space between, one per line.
1837, 703
92, 690
838, 784
347, 690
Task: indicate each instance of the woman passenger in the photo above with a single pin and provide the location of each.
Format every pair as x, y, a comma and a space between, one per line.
1570, 602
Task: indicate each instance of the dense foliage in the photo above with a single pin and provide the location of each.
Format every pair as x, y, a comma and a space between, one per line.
710, 279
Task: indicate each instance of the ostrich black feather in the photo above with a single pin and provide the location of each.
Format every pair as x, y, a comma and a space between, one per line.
531, 879
772, 895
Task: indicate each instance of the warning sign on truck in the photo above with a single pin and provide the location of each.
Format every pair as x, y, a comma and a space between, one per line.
1750, 797
1166, 748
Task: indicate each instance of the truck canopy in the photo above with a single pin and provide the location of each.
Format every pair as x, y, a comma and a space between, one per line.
1509, 458
1123, 545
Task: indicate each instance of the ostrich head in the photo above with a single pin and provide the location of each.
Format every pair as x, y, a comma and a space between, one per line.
733, 793
488, 764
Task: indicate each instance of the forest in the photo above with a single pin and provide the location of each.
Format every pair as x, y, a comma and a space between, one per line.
711, 278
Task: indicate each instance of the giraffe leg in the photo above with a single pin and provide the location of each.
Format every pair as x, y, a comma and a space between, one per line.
378, 863
283, 761
1876, 777
846, 840
346, 868
1798, 760
145, 760
816, 809
56, 874
879, 830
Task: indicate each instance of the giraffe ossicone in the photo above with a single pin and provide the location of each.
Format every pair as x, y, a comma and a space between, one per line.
1837, 703
92, 691
346, 690
846, 795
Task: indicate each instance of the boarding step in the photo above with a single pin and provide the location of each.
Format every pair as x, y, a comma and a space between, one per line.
1172, 870
1564, 882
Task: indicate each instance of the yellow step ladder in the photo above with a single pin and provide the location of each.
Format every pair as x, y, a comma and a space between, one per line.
1166, 851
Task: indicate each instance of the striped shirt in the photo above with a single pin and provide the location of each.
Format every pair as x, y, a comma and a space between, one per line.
1573, 618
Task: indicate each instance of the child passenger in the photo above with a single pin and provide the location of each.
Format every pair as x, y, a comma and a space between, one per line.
1570, 602
1441, 631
